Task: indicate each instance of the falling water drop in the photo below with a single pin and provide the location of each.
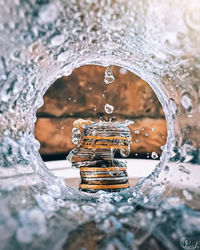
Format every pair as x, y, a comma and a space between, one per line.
108, 109
108, 77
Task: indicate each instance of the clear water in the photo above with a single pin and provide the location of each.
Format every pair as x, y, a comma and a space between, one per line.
41, 41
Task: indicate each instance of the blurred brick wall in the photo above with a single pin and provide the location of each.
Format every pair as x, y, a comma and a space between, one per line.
84, 94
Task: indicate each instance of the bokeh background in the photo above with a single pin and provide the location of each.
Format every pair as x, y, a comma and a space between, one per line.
84, 94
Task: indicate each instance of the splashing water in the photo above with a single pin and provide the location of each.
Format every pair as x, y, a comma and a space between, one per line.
41, 41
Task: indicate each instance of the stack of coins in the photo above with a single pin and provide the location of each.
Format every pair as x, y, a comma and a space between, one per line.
96, 144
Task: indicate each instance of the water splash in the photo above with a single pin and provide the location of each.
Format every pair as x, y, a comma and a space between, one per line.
41, 41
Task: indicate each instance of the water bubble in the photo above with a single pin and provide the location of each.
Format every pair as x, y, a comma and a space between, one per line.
89, 209
24, 235
46, 202
36, 216
186, 101
54, 190
187, 195
154, 155
103, 197
57, 40
117, 198
74, 207
166, 169
48, 13
76, 136
158, 213
60, 202
137, 132
192, 18
125, 209
130, 200
129, 122
123, 71
150, 215
124, 152
108, 109
108, 77
63, 56
106, 207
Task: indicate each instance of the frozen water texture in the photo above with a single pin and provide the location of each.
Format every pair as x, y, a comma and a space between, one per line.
41, 41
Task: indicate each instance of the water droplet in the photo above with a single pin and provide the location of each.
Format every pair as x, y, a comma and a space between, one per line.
74, 207
89, 209
105, 207
63, 56
186, 102
60, 202
54, 190
137, 132
123, 71
124, 152
117, 198
108, 109
130, 200
166, 169
108, 77
154, 155
187, 195
24, 235
48, 13
76, 136
57, 40
129, 122
192, 18
125, 209
46, 202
